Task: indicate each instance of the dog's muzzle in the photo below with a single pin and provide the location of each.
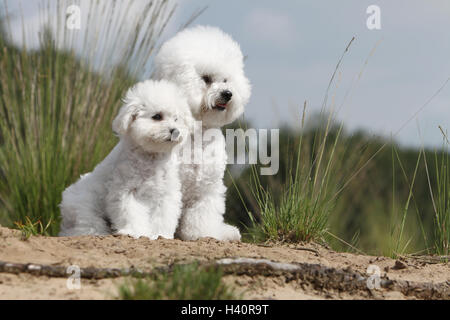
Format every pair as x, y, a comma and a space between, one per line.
221, 103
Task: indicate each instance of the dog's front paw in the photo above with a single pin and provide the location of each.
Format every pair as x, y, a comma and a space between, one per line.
137, 234
129, 232
230, 233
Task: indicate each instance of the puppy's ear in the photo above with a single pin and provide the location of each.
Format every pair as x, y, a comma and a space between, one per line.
127, 114
129, 111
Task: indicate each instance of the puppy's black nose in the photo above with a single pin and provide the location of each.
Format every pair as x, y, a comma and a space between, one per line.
226, 95
174, 134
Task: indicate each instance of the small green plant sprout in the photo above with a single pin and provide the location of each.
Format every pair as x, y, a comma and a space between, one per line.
30, 228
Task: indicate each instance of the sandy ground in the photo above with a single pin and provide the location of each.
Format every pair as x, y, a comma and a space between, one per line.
125, 252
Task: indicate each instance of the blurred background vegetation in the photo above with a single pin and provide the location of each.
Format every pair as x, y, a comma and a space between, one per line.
56, 110
370, 204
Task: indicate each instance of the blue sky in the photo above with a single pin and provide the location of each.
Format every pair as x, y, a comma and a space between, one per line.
293, 47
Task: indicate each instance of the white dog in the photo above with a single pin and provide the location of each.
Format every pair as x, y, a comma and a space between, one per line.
136, 189
208, 66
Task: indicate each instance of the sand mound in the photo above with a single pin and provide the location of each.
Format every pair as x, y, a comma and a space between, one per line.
143, 254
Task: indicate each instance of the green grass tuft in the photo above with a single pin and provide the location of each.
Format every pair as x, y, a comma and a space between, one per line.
30, 228
308, 196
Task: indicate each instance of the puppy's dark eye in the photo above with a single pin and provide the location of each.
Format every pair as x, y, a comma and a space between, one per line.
225, 80
207, 79
157, 117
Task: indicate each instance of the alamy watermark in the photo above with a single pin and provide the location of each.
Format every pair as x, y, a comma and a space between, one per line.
374, 280
73, 17
252, 146
74, 280
374, 20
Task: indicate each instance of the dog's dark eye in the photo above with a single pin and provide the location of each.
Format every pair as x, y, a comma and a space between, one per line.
225, 80
207, 79
157, 117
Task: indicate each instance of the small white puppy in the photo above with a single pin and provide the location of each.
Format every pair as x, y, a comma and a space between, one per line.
136, 190
208, 66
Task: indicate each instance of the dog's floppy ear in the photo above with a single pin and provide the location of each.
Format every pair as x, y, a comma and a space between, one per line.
127, 114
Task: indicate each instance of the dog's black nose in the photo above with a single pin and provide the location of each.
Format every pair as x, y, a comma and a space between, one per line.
226, 95
174, 134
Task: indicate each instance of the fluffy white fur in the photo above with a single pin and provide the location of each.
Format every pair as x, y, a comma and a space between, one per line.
205, 62
136, 189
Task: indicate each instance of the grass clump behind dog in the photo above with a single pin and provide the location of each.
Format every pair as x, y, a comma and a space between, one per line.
58, 100
299, 209
185, 282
